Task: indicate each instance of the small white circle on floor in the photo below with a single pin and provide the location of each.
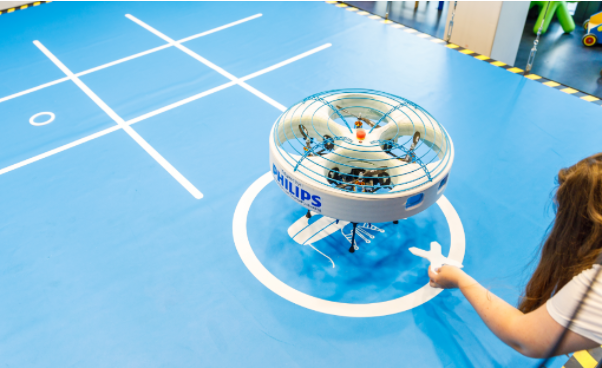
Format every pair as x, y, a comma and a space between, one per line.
48, 121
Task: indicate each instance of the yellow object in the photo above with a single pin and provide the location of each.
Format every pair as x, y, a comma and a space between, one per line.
569, 90
533, 76
482, 57
551, 84
585, 359
498, 63
515, 70
590, 98
467, 51
452, 46
595, 20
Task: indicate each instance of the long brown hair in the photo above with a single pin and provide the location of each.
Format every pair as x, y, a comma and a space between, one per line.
575, 240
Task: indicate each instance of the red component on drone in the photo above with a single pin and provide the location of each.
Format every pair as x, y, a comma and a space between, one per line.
360, 134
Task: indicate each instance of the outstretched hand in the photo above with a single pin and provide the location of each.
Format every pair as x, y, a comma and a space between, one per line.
446, 277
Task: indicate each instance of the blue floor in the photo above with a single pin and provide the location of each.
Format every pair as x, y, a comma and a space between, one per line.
108, 261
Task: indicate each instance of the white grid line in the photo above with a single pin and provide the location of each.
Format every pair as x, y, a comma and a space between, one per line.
128, 129
207, 63
131, 57
162, 109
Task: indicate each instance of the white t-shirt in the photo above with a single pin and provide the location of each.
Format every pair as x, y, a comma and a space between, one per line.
561, 306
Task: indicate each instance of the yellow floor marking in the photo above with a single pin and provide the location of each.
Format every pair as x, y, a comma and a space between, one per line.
10, 10
482, 57
498, 63
36, 3
352, 9
424, 35
569, 90
398, 26
23, 6
551, 84
452, 46
585, 359
533, 76
410, 30
374, 17
515, 70
467, 51
342, 5
437, 40
363, 13
590, 98
386, 21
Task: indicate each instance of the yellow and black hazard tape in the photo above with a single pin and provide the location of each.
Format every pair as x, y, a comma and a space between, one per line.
25, 6
585, 359
547, 82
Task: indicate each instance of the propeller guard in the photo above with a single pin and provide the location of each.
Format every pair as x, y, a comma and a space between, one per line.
399, 169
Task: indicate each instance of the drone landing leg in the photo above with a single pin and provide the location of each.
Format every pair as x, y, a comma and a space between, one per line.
308, 214
352, 248
396, 222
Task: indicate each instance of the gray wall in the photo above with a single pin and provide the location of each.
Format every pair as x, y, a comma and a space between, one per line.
13, 4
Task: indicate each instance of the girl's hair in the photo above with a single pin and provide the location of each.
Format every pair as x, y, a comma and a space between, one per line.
575, 240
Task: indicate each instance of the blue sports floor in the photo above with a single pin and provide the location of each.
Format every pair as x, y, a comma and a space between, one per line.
117, 204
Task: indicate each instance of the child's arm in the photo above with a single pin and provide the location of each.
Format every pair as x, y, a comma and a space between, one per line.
531, 334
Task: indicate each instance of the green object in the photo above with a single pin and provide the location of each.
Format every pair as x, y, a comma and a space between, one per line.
558, 8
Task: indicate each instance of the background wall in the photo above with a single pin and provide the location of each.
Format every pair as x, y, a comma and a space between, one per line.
12, 4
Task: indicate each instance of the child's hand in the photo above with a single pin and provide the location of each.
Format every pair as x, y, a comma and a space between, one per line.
447, 277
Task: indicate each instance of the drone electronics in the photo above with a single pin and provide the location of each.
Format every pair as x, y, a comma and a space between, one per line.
360, 155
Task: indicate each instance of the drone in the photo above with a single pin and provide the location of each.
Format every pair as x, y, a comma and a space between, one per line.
360, 176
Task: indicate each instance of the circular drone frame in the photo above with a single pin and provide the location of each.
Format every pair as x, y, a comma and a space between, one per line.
311, 179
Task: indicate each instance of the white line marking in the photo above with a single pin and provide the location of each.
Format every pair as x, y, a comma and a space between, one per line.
41, 86
48, 121
179, 103
131, 57
128, 129
59, 149
155, 112
128, 58
286, 62
220, 28
207, 63
404, 303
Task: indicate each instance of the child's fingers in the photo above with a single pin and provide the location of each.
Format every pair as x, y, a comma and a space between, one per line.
435, 285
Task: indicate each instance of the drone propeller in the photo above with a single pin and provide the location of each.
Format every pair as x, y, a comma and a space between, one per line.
358, 117
410, 155
305, 135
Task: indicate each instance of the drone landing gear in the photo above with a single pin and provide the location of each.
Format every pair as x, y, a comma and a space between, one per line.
308, 214
396, 222
352, 248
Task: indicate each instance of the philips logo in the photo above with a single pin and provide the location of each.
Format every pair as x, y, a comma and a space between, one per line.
293, 190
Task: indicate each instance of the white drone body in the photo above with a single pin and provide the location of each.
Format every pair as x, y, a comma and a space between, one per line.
326, 181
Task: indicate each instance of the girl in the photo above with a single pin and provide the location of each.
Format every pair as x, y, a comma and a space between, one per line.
564, 273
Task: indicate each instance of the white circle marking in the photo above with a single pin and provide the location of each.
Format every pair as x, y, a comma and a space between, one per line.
404, 303
50, 119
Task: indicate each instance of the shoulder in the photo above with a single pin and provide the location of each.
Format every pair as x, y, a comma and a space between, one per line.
563, 304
